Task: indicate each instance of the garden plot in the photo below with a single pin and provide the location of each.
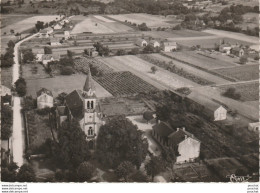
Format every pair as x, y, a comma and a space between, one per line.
150, 20
143, 70
248, 91
61, 84
124, 84
92, 24
103, 18
242, 73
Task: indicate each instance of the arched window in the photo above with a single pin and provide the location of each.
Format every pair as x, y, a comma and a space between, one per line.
88, 104
92, 104
90, 131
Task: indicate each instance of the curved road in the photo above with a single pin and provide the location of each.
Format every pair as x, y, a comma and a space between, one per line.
18, 126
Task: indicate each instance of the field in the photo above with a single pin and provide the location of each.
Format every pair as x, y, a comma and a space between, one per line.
175, 34
248, 91
61, 84
33, 71
199, 60
28, 23
123, 84
150, 20
11, 19
99, 25
142, 69
242, 73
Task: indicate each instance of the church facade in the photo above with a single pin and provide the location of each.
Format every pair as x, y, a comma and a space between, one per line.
82, 105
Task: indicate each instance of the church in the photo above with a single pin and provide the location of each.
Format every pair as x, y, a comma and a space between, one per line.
82, 105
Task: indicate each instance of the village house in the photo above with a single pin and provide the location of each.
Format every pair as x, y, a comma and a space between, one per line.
91, 52
6, 95
49, 58
154, 43
237, 51
225, 48
141, 42
54, 41
253, 127
57, 26
169, 46
45, 33
82, 106
187, 147
66, 35
220, 113
39, 52
44, 98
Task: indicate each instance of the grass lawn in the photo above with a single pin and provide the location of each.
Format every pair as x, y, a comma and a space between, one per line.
248, 91
61, 84
6, 76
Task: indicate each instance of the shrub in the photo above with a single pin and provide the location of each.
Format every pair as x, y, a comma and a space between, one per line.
67, 70
243, 59
231, 93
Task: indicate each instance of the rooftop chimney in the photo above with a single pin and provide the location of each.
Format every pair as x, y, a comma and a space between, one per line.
183, 128
178, 129
159, 121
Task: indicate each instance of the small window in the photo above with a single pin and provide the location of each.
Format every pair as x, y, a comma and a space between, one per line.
90, 131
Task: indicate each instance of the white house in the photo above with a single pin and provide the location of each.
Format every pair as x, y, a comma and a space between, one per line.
186, 145
154, 43
44, 98
39, 52
253, 127
57, 26
169, 46
49, 58
141, 42
5, 90
66, 35
225, 48
237, 51
220, 114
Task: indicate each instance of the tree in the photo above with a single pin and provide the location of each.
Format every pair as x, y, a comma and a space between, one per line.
169, 155
8, 171
124, 170
134, 51
6, 122
243, 59
120, 52
148, 115
85, 171
69, 54
66, 61
154, 166
47, 50
138, 176
10, 44
119, 140
39, 25
26, 174
12, 31
153, 69
67, 70
61, 97
231, 93
73, 145
148, 49
163, 112
28, 55
20, 87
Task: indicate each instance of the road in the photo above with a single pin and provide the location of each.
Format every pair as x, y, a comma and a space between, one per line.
18, 126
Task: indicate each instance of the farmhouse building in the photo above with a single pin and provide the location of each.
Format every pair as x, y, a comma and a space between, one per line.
237, 51
186, 145
66, 35
50, 58
169, 46
55, 41
83, 106
5, 90
253, 127
57, 26
154, 43
225, 48
91, 52
44, 98
39, 52
141, 42
220, 114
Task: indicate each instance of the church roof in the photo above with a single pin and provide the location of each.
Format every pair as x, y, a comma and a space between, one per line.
89, 84
75, 104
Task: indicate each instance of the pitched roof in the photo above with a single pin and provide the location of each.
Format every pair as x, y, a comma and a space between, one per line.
38, 50
178, 136
169, 43
153, 41
89, 84
140, 41
163, 129
44, 91
75, 104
